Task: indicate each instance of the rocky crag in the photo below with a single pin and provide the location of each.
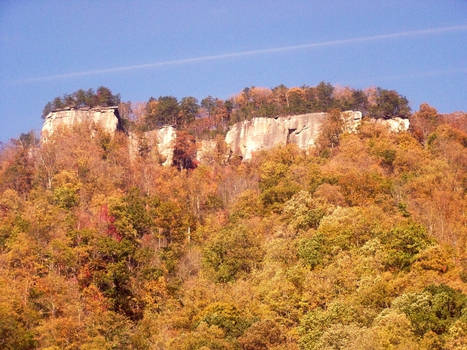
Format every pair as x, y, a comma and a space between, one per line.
395, 124
243, 139
250, 136
160, 140
107, 118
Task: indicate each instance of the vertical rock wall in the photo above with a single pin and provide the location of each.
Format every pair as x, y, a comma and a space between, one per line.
161, 140
106, 117
249, 136
243, 139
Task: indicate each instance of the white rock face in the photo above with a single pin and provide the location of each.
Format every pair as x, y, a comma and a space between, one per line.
166, 137
395, 124
243, 138
249, 136
106, 117
352, 120
162, 140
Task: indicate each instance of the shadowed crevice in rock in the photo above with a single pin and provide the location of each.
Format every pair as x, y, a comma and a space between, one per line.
291, 131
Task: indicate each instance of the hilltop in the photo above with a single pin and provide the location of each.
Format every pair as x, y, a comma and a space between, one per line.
354, 241
184, 132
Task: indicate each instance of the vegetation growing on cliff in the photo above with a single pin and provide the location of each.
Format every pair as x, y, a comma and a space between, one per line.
358, 245
81, 98
213, 115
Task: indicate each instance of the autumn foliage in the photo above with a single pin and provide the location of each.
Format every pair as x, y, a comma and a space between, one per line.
358, 243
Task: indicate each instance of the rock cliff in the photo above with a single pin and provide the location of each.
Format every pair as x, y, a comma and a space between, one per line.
160, 140
249, 136
243, 139
395, 124
106, 117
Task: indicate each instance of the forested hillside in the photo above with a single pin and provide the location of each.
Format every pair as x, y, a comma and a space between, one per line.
357, 244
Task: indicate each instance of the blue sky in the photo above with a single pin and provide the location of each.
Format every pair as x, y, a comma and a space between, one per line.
198, 48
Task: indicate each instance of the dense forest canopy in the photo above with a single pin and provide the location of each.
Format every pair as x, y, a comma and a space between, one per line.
358, 243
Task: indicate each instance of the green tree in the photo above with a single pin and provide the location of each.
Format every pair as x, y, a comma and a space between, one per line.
209, 103
359, 102
188, 111
47, 109
324, 99
66, 190
296, 101
435, 309
58, 103
225, 316
389, 104
80, 98
311, 250
231, 254
106, 98
91, 98
167, 110
403, 243
14, 333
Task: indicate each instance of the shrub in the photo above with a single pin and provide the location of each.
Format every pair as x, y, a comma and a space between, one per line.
262, 335
316, 323
225, 316
403, 243
433, 309
350, 227
232, 253
311, 250
303, 212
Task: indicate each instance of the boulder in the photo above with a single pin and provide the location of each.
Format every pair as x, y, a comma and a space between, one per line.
395, 124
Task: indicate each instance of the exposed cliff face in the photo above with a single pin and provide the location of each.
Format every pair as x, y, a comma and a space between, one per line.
161, 140
243, 139
395, 124
106, 117
249, 136
166, 142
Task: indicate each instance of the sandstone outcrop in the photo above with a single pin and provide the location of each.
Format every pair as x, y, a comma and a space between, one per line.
105, 117
160, 140
395, 124
243, 139
249, 136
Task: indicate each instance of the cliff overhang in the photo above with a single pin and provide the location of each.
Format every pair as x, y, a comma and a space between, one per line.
107, 118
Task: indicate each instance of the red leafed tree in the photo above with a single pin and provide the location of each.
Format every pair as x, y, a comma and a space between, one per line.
109, 220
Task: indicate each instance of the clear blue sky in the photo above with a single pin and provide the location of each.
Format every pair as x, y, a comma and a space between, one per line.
44, 43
